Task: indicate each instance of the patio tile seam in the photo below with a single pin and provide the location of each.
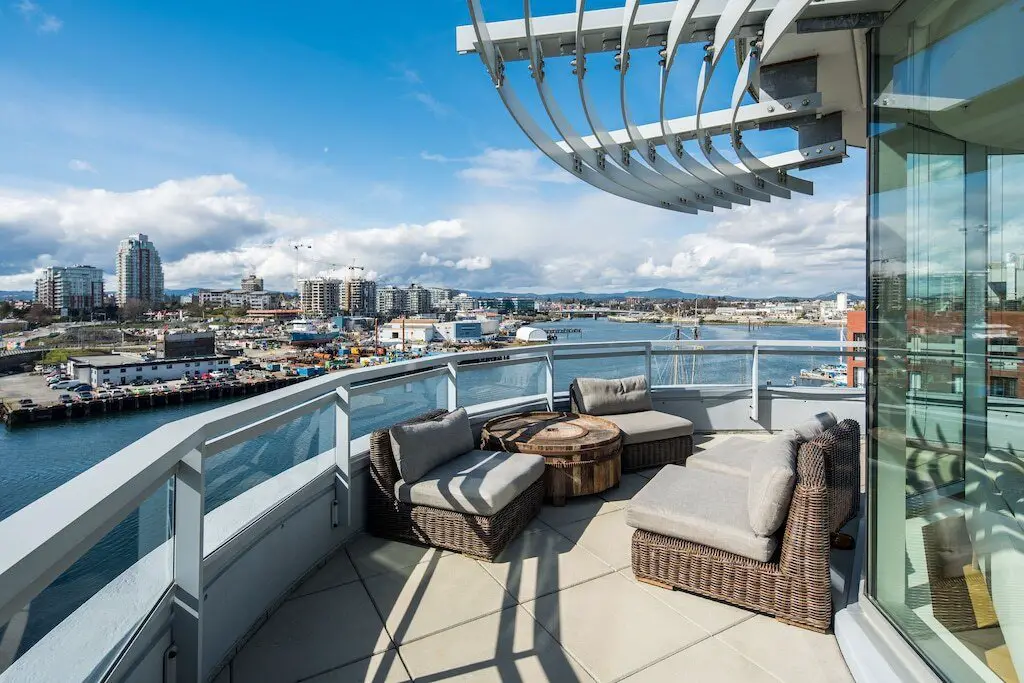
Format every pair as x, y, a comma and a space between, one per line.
744, 656
294, 596
393, 648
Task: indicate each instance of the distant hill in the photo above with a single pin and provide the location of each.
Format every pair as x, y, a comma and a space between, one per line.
16, 294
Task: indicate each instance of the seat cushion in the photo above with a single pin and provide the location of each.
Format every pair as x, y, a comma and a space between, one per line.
649, 425
477, 482
421, 446
736, 454
611, 396
703, 507
772, 477
732, 456
815, 426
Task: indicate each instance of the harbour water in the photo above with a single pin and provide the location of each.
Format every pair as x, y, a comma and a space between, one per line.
35, 460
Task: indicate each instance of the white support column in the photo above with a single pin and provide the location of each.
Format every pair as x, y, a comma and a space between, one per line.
647, 364
187, 623
342, 454
453, 385
550, 371
753, 386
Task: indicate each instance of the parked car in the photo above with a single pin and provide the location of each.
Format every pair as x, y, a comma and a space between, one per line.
65, 398
65, 384
85, 396
26, 403
82, 387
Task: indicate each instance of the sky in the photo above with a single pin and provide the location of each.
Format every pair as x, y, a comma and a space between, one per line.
231, 131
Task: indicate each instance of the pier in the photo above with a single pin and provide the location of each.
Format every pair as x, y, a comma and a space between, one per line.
15, 416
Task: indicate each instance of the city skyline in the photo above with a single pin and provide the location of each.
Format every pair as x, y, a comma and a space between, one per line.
226, 163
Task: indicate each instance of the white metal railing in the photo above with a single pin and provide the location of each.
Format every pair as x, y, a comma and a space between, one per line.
42, 540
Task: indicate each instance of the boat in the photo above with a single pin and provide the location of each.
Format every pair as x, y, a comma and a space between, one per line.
827, 372
303, 332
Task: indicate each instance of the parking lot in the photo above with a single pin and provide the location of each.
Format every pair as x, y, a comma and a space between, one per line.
33, 386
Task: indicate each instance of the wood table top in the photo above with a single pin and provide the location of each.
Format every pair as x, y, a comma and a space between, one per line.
554, 433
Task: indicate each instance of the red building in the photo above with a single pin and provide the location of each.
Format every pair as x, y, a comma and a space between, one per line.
856, 330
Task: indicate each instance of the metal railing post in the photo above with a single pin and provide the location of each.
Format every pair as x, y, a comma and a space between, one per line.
550, 371
453, 385
647, 363
187, 623
342, 454
753, 386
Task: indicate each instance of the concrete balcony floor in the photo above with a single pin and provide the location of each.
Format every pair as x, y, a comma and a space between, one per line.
560, 604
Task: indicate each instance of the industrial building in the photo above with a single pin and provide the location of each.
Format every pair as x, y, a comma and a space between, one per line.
124, 369
185, 344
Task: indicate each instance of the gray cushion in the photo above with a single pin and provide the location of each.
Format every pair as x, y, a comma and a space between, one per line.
702, 507
815, 426
732, 456
735, 455
420, 447
649, 425
772, 476
478, 482
611, 396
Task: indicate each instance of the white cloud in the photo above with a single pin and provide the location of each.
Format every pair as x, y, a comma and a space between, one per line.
436, 107
512, 168
474, 263
26, 8
50, 24
80, 165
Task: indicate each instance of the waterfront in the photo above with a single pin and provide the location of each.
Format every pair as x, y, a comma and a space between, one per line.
37, 459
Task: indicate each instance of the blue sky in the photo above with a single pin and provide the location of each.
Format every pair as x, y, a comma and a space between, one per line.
228, 130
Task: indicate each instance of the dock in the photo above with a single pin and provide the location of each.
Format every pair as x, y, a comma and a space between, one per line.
15, 416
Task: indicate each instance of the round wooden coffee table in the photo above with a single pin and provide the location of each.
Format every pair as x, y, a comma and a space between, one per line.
582, 453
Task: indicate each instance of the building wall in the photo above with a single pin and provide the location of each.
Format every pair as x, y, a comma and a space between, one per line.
70, 289
320, 297
856, 330
140, 273
161, 371
186, 344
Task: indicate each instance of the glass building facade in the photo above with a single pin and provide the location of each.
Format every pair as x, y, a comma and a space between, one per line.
946, 333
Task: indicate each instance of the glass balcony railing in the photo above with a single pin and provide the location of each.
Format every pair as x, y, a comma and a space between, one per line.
109, 547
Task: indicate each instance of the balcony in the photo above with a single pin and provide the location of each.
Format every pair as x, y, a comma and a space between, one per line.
246, 566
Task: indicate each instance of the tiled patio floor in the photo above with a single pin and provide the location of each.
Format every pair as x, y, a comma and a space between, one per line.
560, 604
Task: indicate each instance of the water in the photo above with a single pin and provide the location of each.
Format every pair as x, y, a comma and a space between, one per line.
35, 460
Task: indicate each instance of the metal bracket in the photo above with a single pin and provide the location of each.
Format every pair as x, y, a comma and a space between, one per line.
601, 163
499, 70
652, 151
577, 164
626, 156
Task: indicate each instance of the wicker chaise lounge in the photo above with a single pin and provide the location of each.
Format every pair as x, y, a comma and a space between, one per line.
470, 501
649, 437
710, 533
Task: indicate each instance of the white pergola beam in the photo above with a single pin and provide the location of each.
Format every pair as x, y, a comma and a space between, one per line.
602, 28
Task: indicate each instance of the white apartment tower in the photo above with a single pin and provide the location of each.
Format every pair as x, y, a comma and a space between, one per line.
140, 275
66, 290
320, 296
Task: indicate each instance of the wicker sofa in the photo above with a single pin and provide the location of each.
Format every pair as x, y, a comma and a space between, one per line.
474, 502
694, 528
649, 437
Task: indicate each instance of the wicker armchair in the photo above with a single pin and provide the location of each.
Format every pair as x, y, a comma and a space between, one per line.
474, 535
638, 456
794, 586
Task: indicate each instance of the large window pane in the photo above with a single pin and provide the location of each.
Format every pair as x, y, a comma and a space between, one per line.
385, 407
945, 324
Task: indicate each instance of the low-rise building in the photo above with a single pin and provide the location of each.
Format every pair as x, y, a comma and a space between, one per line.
125, 368
417, 331
460, 331
185, 344
278, 315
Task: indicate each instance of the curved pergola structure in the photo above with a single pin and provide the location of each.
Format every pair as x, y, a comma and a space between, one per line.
782, 59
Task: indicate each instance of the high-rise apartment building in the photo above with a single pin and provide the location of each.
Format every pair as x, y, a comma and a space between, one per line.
417, 300
438, 295
391, 300
251, 283
71, 289
320, 296
140, 275
359, 296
